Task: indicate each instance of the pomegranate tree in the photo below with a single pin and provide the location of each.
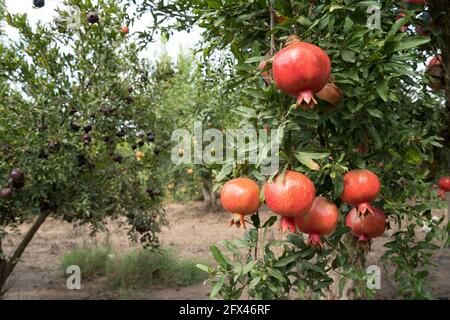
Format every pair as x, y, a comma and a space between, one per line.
289, 195
301, 69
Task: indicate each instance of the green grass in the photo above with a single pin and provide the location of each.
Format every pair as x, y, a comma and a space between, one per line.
137, 269
92, 261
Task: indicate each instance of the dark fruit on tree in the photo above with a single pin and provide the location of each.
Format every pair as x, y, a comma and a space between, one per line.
92, 17
321, 219
141, 143
87, 138
5, 193
361, 186
87, 128
134, 146
157, 150
366, 226
150, 137
117, 158
289, 195
38, 3
17, 178
301, 69
240, 196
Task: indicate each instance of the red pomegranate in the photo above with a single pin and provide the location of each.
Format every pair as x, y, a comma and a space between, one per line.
361, 186
265, 74
366, 226
321, 219
399, 16
444, 186
125, 30
331, 94
301, 69
289, 196
436, 73
241, 197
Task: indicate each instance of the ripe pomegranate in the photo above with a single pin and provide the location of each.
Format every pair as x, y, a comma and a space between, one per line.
125, 30
265, 74
301, 69
366, 226
331, 94
444, 186
321, 219
139, 155
436, 73
289, 196
361, 186
240, 196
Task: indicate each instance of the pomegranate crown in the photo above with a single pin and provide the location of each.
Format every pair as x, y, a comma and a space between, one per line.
292, 39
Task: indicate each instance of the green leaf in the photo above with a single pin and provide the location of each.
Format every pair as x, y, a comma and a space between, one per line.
276, 274
411, 42
376, 113
218, 256
348, 56
307, 161
286, 260
254, 282
249, 266
255, 59
215, 290
413, 157
338, 186
203, 267
270, 222
382, 88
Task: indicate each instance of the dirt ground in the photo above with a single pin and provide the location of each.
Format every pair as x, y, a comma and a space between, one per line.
38, 275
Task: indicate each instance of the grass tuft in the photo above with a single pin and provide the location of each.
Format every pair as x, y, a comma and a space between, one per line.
137, 269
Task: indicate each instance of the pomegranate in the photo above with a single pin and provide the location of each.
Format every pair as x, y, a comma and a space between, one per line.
444, 186
399, 16
125, 30
361, 186
289, 196
436, 73
321, 219
265, 74
301, 69
366, 226
331, 94
240, 196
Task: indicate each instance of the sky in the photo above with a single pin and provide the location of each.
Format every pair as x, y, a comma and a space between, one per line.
47, 14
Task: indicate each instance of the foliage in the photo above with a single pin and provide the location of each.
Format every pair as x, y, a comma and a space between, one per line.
387, 110
137, 269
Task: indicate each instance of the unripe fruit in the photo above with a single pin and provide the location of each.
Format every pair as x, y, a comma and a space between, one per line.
139, 155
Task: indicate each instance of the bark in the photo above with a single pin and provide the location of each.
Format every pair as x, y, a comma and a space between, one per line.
7, 264
209, 196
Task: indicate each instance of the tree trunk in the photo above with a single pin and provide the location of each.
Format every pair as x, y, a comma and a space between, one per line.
7, 264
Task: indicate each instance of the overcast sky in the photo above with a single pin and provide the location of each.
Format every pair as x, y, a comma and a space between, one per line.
47, 14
